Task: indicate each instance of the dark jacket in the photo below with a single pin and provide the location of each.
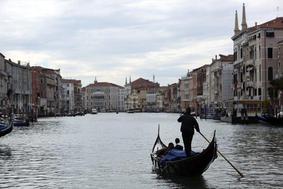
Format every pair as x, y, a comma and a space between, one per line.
189, 123
178, 147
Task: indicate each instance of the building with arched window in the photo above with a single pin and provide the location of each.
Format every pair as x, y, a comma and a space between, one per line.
256, 62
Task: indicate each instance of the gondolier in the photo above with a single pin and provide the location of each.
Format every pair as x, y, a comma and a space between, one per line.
189, 123
176, 163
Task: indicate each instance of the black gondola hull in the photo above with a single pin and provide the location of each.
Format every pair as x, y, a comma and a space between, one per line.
191, 166
7, 129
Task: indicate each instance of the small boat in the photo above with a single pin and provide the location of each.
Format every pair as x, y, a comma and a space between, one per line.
93, 111
269, 119
20, 120
194, 165
6, 127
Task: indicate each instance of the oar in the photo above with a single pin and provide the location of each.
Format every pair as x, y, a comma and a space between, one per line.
223, 156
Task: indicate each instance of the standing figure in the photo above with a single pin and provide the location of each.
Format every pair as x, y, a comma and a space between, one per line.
189, 123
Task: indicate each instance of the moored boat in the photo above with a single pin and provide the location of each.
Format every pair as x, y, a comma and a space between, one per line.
5, 127
93, 111
194, 165
20, 120
269, 119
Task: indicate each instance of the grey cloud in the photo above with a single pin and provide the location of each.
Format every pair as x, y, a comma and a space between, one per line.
131, 37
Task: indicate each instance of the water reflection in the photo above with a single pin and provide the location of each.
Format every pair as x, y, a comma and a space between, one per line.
185, 182
5, 152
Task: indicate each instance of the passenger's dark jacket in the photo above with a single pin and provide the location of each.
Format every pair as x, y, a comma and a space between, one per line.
189, 123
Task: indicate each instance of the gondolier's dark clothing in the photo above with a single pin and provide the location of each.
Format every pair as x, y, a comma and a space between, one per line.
189, 123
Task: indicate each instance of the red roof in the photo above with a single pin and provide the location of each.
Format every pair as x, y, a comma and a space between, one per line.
276, 23
143, 83
229, 57
103, 84
71, 81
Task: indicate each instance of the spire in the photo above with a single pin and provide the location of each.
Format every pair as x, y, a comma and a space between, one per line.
236, 28
130, 80
153, 77
126, 81
244, 21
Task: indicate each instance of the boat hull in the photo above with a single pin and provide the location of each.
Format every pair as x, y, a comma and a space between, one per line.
188, 167
6, 129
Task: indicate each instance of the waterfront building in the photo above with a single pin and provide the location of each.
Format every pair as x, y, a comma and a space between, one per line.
84, 99
218, 84
184, 92
256, 64
207, 88
71, 97
280, 73
125, 102
3, 85
121, 99
144, 94
160, 99
171, 98
102, 96
46, 90
195, 80
227, 83
200, 79
19, 86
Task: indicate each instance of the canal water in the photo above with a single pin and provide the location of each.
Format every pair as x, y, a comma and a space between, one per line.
110, 150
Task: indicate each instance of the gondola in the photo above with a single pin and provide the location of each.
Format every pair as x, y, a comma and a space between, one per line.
194, 165
6, 127
269, 119
20, 120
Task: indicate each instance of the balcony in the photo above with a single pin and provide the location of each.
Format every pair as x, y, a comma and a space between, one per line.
250, 84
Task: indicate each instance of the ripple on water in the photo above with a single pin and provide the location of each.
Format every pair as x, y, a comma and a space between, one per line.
112, 151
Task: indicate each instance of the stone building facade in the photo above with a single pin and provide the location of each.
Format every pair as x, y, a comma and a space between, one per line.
102, 96
72, 96
46, 91
256, 64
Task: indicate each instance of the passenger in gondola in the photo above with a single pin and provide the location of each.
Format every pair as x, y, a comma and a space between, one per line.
177, 145
189, 124
165, 150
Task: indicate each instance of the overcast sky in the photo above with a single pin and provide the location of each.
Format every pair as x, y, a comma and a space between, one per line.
116, 39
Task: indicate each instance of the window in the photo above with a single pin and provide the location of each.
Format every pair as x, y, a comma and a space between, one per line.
259, 70
269, 34
241, 53
235, 55
269, 52
270, 92
255, 75
255, 54
259, 91
235, 79
254, 92
270, 73
252, 52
